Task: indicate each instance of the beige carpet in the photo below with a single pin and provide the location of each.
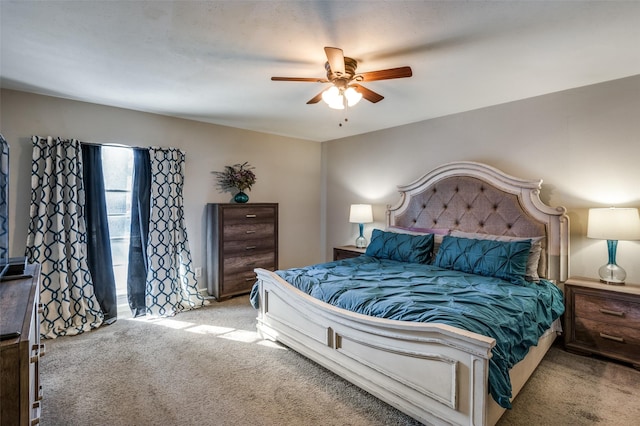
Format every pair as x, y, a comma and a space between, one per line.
208, 367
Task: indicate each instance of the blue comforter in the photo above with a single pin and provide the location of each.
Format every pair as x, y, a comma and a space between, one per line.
515, 315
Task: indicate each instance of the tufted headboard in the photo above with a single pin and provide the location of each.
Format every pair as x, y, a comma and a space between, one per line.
474, 197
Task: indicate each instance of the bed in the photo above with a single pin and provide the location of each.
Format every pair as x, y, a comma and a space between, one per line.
436, 372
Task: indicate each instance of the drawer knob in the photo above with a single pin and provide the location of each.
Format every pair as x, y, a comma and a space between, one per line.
250, 248
610, 337
250, 232
609, 312
251, 216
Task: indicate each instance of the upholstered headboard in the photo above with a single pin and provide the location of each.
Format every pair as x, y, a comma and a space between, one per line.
474, 197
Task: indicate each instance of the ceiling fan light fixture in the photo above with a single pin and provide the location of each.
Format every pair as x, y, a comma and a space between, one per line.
333, 98
339, 104
353, 96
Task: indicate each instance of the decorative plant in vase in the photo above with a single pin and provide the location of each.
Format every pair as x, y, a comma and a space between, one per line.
239, 177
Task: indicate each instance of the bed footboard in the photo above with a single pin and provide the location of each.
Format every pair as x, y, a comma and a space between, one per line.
434, 373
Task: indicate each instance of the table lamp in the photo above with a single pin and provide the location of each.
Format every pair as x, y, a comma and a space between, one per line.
613, 224
361, 214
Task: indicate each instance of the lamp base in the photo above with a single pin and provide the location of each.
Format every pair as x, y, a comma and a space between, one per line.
361, 242
612, 274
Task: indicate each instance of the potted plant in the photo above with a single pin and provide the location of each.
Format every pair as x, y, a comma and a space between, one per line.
239, 178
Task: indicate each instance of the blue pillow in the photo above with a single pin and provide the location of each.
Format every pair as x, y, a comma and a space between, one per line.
400, 247
506, 260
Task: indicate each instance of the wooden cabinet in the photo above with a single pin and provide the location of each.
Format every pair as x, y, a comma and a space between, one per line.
346, 252
603, 319
20, 350
240, 238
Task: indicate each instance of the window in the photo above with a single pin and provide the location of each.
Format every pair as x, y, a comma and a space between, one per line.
117, 165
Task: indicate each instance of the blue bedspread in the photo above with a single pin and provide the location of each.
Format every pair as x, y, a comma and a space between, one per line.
515, 315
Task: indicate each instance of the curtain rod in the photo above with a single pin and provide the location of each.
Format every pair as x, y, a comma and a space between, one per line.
115, 145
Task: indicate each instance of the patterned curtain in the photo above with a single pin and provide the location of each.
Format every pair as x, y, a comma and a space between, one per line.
171, 283
57, 239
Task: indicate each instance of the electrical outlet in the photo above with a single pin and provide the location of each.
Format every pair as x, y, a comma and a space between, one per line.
198, 272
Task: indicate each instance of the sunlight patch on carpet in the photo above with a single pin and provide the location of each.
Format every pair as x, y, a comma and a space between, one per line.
227, 333
272, 344
241, 336
166, 322
210, 329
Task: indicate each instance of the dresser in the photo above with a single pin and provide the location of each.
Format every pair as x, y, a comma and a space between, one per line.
20, 350
603, 319
240, 238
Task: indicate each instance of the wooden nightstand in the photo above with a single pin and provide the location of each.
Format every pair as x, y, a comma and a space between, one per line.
346, 252
602, 319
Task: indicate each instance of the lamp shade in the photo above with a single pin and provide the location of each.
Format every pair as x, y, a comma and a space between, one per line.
612, 223
361, 213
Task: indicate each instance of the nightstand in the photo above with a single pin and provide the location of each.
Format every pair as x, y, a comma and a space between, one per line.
602, 319
346, 252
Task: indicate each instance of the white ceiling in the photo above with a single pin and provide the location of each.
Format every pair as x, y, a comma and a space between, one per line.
212, 60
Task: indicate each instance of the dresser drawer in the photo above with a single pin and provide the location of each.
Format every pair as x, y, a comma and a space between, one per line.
609, 310
239, 274
233, 216
244, 231
236, 264
248, 247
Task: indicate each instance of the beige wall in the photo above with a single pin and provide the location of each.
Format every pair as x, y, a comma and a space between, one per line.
288, 170
584, 143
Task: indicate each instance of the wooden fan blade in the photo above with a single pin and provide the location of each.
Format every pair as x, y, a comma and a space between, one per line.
369, 95
315, 99
311, 79
401, 72
335, 57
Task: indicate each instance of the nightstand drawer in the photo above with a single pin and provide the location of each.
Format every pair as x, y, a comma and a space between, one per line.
608, 310
347, 252
624, 341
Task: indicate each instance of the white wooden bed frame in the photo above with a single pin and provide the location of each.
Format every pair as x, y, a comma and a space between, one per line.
435, 373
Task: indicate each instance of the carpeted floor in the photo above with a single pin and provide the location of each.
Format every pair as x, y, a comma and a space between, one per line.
208, 367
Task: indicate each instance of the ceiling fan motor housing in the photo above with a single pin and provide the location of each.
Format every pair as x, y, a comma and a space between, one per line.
342, 80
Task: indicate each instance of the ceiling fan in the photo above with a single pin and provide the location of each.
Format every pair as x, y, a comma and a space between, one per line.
345, 89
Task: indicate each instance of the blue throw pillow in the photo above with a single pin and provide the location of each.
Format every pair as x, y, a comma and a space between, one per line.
400, 247
506, 260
